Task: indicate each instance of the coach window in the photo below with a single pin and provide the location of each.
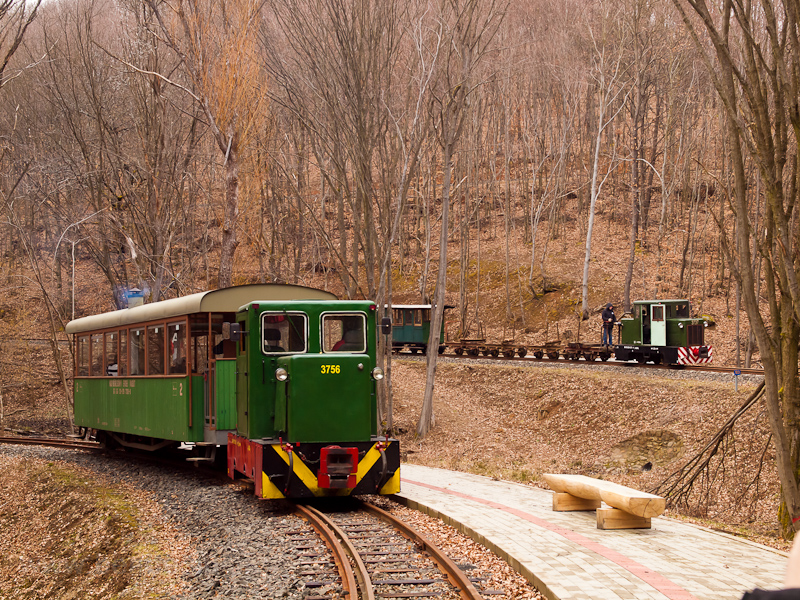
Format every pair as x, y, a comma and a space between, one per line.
198, 348
155, 350
112, 354
98, 369
83, 356
137, 352
283, 333
176, 337
344, 333
397, 317
123, 352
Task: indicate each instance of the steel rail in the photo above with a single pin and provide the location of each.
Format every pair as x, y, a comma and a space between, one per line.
455, 576
529, 359
55, 442
329, 532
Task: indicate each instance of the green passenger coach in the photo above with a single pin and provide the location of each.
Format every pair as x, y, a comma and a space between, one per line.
284, 376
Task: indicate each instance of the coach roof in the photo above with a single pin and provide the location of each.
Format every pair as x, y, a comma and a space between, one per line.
224, 300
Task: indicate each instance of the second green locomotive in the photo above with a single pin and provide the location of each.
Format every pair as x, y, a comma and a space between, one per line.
663, 331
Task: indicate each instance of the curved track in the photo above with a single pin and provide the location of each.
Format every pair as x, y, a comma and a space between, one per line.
373, 547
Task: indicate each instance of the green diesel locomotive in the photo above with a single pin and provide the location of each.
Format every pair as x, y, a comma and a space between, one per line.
283, 376
663, 331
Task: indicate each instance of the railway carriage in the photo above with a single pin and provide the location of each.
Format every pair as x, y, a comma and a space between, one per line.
411, 328
283, 376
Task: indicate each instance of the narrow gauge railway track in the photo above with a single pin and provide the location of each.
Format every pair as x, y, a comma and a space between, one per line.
49, 441
378, 556
528, 360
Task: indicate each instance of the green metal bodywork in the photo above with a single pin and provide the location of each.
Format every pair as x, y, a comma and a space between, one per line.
411, 334
225, 386
328, 397
632, 332
153, 407
320, 404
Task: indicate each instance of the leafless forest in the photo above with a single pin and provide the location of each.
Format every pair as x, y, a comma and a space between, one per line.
362, 145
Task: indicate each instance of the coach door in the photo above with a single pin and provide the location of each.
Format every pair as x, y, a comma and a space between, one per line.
658, 325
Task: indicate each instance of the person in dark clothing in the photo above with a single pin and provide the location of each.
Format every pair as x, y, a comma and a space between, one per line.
609, 318
791, 582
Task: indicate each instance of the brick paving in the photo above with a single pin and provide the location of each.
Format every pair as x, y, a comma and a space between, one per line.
567, 557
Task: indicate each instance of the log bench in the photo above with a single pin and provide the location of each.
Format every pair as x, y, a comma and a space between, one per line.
630, 508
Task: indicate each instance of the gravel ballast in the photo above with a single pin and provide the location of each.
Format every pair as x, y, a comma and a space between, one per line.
228, 543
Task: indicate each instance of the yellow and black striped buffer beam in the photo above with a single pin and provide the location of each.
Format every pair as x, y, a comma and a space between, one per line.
291, 472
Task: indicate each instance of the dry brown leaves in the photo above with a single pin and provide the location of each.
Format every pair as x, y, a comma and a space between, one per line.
68, 533
516, 423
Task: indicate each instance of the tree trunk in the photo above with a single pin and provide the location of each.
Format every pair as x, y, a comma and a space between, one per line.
426, 417
231, 216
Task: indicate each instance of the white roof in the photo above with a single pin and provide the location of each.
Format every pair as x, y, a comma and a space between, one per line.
224, 300
409, 306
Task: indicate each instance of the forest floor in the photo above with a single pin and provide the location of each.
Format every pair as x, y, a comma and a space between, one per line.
621, 423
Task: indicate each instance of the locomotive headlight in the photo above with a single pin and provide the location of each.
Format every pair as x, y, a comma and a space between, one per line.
680, 325
377, 373
281, 374
705, 323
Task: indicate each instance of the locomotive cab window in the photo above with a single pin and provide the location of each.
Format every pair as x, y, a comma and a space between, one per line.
344, 333
283, 333
658, 313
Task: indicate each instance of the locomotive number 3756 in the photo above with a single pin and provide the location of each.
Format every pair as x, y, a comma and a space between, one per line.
331, 369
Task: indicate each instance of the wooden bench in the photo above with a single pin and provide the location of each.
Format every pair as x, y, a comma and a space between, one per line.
630, 509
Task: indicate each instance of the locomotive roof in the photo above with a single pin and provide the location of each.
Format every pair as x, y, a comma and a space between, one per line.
419, 306
224, 300
685, 301
410, 306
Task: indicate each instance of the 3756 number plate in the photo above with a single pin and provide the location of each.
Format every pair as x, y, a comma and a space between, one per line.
331, 369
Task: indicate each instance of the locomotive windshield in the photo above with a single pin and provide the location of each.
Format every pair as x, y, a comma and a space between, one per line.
682, 311
344, 333
283, 333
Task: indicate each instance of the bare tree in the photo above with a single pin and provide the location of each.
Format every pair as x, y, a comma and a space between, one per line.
15, 18
216, 42
468, 28
402, 159
610, 79
752, 52
117, 144
334, 65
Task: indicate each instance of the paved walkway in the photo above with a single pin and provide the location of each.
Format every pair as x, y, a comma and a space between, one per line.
567, 557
